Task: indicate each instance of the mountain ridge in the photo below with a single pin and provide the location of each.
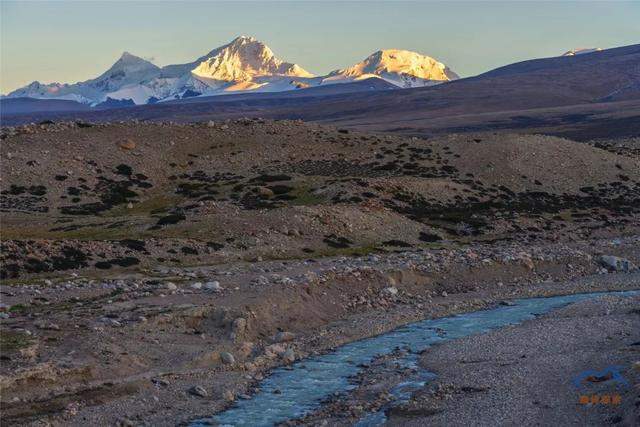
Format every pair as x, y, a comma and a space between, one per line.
584, 96
243, 65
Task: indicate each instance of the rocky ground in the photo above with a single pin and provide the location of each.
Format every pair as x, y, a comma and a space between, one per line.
517, 374
106, 197
98, 351
525, 374
154, 273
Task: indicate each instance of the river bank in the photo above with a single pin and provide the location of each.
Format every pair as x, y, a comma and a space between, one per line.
547, 369
154, 350
540, 372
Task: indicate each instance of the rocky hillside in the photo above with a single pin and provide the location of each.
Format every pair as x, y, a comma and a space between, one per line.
146, 194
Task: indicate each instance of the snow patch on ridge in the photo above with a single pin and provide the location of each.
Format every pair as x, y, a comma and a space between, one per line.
581, 51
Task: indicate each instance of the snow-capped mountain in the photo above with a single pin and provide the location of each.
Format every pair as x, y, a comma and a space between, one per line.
127, 70
244, 59
243, 65
40, 90
400, 67
581, 51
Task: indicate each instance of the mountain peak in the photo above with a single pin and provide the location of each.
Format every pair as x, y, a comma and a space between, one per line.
401, 67
129, 59
407, 62
243, 59
128, 69
245, 39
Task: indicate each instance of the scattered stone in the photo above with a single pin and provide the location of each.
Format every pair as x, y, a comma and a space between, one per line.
265, 192
160, 381
198, 391
72, 409
289, 356
125, 422
47, 326
527, 262
239, 325
261, 280
274, 350
227, 358
391, 290
284, 336
245, 348
170, 286
128, 145
614, 263
213, 286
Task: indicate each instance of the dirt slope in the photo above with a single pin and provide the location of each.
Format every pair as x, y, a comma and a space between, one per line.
134, 195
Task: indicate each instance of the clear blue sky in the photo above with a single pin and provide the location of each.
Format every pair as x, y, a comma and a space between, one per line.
69, 41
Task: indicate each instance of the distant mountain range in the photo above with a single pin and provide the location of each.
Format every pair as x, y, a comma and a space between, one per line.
584, 96
243, 65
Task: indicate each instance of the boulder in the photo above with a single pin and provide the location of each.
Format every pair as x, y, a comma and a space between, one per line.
128, 145
213, 286
284, 336
227, 358
614, 263
289, 356
391, 290
198, 391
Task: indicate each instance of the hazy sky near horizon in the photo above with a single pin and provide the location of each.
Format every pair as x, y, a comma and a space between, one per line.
70, 41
